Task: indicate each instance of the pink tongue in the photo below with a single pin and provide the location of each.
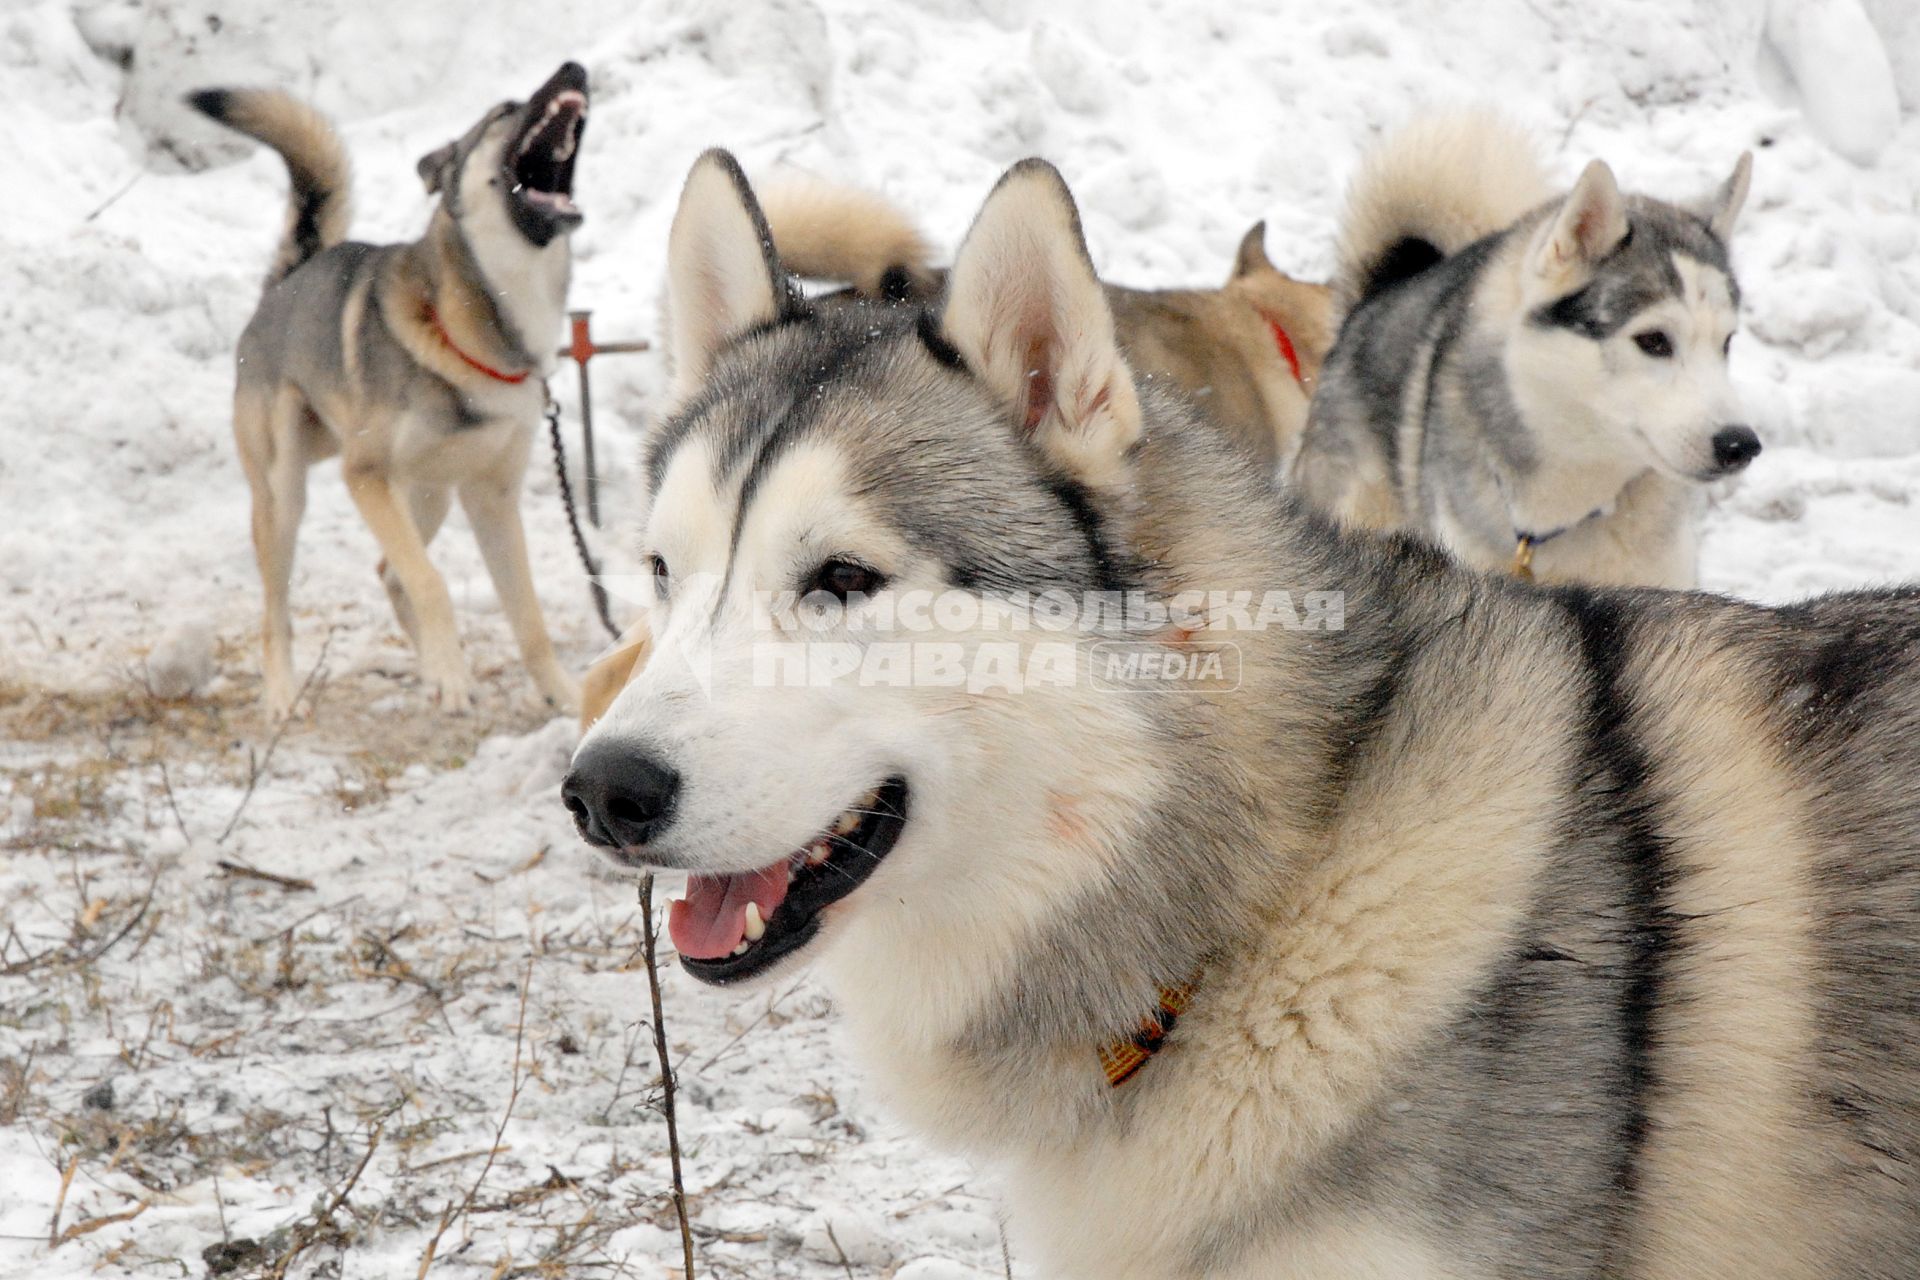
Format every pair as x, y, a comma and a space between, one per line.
712, 919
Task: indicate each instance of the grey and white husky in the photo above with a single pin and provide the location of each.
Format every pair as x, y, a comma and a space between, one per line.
1500, 931
1534, 383
419, 364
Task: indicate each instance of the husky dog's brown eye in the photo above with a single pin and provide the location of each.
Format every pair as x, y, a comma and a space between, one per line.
1655, 343
843, 578
661, 578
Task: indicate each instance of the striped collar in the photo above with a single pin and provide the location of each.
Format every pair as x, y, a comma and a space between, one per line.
1120, 1059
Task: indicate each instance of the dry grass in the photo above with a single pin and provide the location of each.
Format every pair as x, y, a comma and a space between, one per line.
147, 1143
352, 721
99, 780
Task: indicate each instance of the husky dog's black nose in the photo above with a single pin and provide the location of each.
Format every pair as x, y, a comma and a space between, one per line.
619, 798
1734, 448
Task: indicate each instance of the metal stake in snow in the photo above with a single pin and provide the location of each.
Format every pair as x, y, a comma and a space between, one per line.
581, 350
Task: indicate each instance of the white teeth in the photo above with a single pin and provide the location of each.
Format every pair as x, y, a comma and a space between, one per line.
740, 950
756, 927
817, 852
846, 823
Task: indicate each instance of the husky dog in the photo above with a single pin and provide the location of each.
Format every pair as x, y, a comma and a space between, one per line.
420, 364
1248, 352
1537, 384
1500, 932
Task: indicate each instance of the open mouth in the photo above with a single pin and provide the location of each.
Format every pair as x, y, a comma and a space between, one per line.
539, 167
731, 927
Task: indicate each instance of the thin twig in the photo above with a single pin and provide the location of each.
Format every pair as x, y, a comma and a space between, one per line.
114, 199
456, 1159
620, 1081
834, 1240
60, 1202
49, 956
765, 1013
308, 1233
86, 1226
454, 1214
651, 947
241, 869
265, 938
257, 768
167, 784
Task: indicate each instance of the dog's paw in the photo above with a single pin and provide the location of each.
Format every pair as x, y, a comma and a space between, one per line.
281, 700
452, 690
561, 692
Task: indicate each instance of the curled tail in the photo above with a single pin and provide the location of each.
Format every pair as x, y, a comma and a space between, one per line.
824, 231
1427, 192
318, 206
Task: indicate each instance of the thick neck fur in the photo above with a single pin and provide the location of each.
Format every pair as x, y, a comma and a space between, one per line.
1168, 874
502, 298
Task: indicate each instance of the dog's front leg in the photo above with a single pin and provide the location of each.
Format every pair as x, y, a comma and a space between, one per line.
441, 664
429, 504
492, 504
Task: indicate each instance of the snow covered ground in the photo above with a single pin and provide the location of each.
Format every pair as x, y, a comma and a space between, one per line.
215, 1053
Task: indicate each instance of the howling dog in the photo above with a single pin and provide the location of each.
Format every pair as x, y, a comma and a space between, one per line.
1484, 930
1538, 384
1248, 352
419, 364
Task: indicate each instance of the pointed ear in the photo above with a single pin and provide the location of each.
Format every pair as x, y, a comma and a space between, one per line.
1589, 226
1251, 256
432, 168
1026, 311
608, 676
723, 276
1723, 210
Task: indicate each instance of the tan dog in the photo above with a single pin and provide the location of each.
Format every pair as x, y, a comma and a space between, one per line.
1248, 353
607, 677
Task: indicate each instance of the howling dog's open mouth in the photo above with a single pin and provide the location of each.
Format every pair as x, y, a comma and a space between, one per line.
539, 162
731, 927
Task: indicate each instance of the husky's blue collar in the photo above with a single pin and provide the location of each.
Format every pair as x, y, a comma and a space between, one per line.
1525, 543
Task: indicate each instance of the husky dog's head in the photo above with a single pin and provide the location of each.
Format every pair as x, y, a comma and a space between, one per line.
853, 458
1630, 307
514, 168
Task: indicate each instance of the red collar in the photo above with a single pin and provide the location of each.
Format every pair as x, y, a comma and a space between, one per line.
512, 379
1282, 341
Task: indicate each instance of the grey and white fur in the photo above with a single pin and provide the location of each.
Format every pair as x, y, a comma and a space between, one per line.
1518, 368
1561, 933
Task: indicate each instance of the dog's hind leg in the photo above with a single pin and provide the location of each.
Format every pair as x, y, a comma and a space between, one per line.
438, 643
269, 428
429, 504
492, 503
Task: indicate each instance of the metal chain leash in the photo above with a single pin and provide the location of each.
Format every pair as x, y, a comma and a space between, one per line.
599, 590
